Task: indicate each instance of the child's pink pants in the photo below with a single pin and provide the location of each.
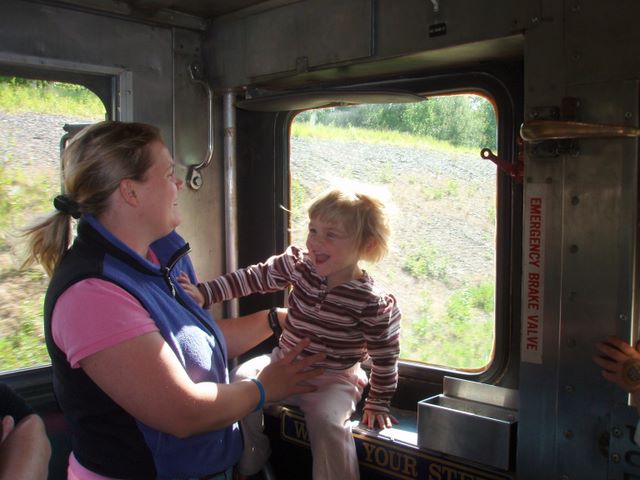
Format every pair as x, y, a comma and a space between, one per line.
327, 412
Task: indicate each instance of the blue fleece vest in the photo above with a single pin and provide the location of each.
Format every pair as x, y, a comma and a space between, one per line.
105, 438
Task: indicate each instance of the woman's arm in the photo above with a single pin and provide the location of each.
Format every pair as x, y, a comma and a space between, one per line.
145, 378
244, 333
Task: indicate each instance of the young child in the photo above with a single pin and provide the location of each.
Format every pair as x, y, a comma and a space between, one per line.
337, 305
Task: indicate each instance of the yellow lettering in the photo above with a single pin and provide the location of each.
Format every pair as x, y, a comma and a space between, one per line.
368, 448
391, 459
301, 430
434, 472
450, 473
410, 467
382, 457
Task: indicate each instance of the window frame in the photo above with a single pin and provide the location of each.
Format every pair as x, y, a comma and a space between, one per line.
501, 89
34, 382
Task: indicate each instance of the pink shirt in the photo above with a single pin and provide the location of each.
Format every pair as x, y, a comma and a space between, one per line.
95, 314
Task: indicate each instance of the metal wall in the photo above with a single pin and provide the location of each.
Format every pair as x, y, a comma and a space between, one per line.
581, 63
582, 54
148, 65
314, 41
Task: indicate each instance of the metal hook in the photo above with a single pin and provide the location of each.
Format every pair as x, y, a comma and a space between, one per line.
194, 177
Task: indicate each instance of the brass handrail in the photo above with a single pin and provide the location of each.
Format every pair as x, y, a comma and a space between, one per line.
540, 130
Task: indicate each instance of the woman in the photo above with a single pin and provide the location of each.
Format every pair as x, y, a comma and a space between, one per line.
140, 370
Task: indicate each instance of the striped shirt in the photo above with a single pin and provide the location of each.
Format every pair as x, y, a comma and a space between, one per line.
349, 323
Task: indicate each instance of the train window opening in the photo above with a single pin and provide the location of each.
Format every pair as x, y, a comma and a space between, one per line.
424, 160
32, 116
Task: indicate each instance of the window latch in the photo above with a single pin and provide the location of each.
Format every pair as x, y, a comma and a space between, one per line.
514, 170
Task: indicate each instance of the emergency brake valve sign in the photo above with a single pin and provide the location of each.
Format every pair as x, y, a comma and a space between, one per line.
533, 270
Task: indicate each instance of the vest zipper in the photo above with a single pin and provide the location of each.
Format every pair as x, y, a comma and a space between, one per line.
166, 270
166, 273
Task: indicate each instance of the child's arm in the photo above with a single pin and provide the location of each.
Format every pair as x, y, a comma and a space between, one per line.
383, 344
274, 275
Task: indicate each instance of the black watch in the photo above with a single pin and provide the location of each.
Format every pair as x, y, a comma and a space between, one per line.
274, 323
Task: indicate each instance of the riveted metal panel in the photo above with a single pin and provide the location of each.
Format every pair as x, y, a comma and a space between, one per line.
599, 222
600, 40
589, 238
591, 214
618, 444
293, 39
544, 81
440, 24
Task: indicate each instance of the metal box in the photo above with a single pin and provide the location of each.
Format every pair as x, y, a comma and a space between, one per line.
471, 420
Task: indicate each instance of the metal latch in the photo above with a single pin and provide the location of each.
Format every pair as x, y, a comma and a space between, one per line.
514, 170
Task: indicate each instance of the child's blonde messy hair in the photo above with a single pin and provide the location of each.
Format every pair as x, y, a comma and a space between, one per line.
362, 215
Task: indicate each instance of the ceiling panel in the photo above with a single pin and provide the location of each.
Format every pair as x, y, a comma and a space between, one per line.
210, 8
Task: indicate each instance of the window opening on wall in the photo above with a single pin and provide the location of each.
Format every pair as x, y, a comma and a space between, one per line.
32, 116
425, 160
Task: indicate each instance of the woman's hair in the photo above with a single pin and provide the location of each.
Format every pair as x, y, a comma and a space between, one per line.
93, 164
362, 214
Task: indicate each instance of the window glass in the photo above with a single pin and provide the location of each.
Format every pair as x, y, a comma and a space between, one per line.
32, 114
425, 159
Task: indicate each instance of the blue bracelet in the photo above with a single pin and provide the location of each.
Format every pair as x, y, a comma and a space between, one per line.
263, 396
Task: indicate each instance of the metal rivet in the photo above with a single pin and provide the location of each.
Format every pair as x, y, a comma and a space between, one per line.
569, 388
622, 317
568, 433
615, 458
573, 249
628, 115
616, 432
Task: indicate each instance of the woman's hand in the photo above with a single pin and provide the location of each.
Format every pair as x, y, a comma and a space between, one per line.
288, 375
620, 363
371, 418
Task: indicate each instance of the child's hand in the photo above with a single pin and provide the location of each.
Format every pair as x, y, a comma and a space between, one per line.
371, 418
190, 288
